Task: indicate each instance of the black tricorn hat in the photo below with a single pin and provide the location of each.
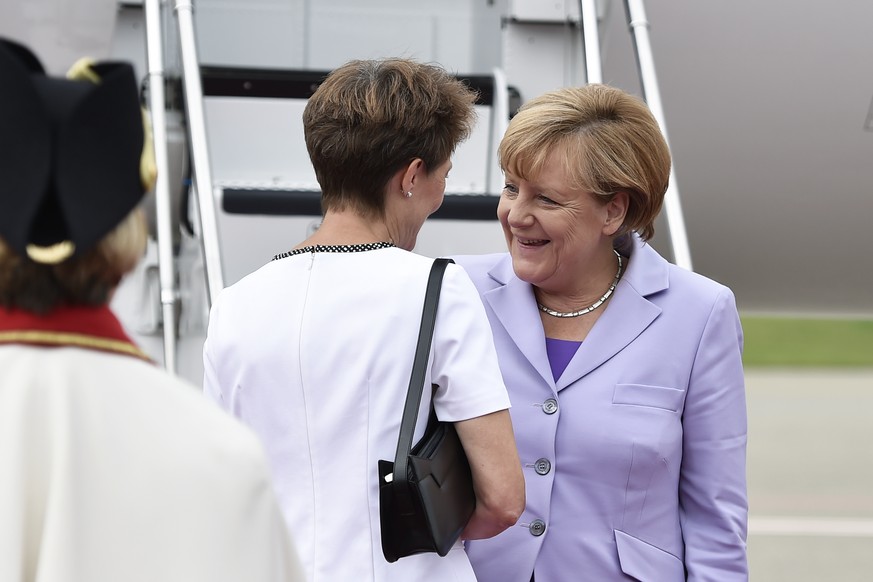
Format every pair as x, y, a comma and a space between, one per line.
69, 155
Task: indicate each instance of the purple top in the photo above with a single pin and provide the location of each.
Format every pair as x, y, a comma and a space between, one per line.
560, 353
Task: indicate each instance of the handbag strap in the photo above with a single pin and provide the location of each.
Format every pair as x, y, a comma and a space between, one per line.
416, 379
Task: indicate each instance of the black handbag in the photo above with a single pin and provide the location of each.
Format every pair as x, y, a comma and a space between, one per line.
426, 495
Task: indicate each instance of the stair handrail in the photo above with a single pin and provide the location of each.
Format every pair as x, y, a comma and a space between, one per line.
591, 40
169, 294
639, 26
202, 186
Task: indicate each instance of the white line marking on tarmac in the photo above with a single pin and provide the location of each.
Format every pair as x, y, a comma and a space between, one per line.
811, 526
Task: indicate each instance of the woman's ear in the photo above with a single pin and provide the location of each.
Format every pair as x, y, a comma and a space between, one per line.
616, 210
412, 174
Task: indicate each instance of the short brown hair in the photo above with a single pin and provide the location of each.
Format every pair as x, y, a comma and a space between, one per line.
371, 117
86, 280
610, 141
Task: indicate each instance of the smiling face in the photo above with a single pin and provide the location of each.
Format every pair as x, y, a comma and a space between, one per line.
611, 143
560, 237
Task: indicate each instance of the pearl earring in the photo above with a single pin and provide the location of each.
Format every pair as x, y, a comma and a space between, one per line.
409, 194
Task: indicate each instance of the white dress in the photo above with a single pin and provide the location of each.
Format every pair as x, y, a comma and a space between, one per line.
111, 470
314, 352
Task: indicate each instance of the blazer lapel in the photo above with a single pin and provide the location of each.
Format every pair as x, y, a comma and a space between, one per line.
627, 315
514, 305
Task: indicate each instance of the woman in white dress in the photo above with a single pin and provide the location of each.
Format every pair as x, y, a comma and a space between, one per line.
314, 350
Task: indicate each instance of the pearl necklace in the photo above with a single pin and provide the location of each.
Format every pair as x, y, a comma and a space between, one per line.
591, 307
336, 249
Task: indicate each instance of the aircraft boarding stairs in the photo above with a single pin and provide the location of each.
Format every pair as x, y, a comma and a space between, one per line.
264, 196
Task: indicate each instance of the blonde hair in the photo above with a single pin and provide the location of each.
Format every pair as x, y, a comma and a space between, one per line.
609, 141
83, 280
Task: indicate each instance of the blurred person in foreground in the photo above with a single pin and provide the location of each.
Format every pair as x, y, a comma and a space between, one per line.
314, 350
110, 469
624, 371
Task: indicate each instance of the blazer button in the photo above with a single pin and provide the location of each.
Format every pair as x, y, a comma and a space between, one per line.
543, 466
550, 406
537, 528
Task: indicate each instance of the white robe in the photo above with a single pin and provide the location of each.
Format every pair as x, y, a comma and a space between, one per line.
111, 470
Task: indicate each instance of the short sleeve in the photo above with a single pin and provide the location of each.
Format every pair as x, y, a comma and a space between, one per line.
464, 357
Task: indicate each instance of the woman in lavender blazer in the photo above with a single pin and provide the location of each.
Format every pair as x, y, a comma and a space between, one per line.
624, 371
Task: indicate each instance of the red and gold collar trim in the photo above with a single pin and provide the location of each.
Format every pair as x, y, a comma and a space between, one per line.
94, 328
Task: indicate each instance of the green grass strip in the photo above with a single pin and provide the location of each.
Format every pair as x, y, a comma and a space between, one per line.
776, 342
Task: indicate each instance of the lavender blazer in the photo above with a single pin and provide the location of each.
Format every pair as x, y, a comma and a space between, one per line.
634, 460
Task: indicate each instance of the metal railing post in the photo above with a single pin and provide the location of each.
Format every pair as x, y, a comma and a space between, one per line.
640, 31
499, 123
199, 149
163, 212
591, 38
